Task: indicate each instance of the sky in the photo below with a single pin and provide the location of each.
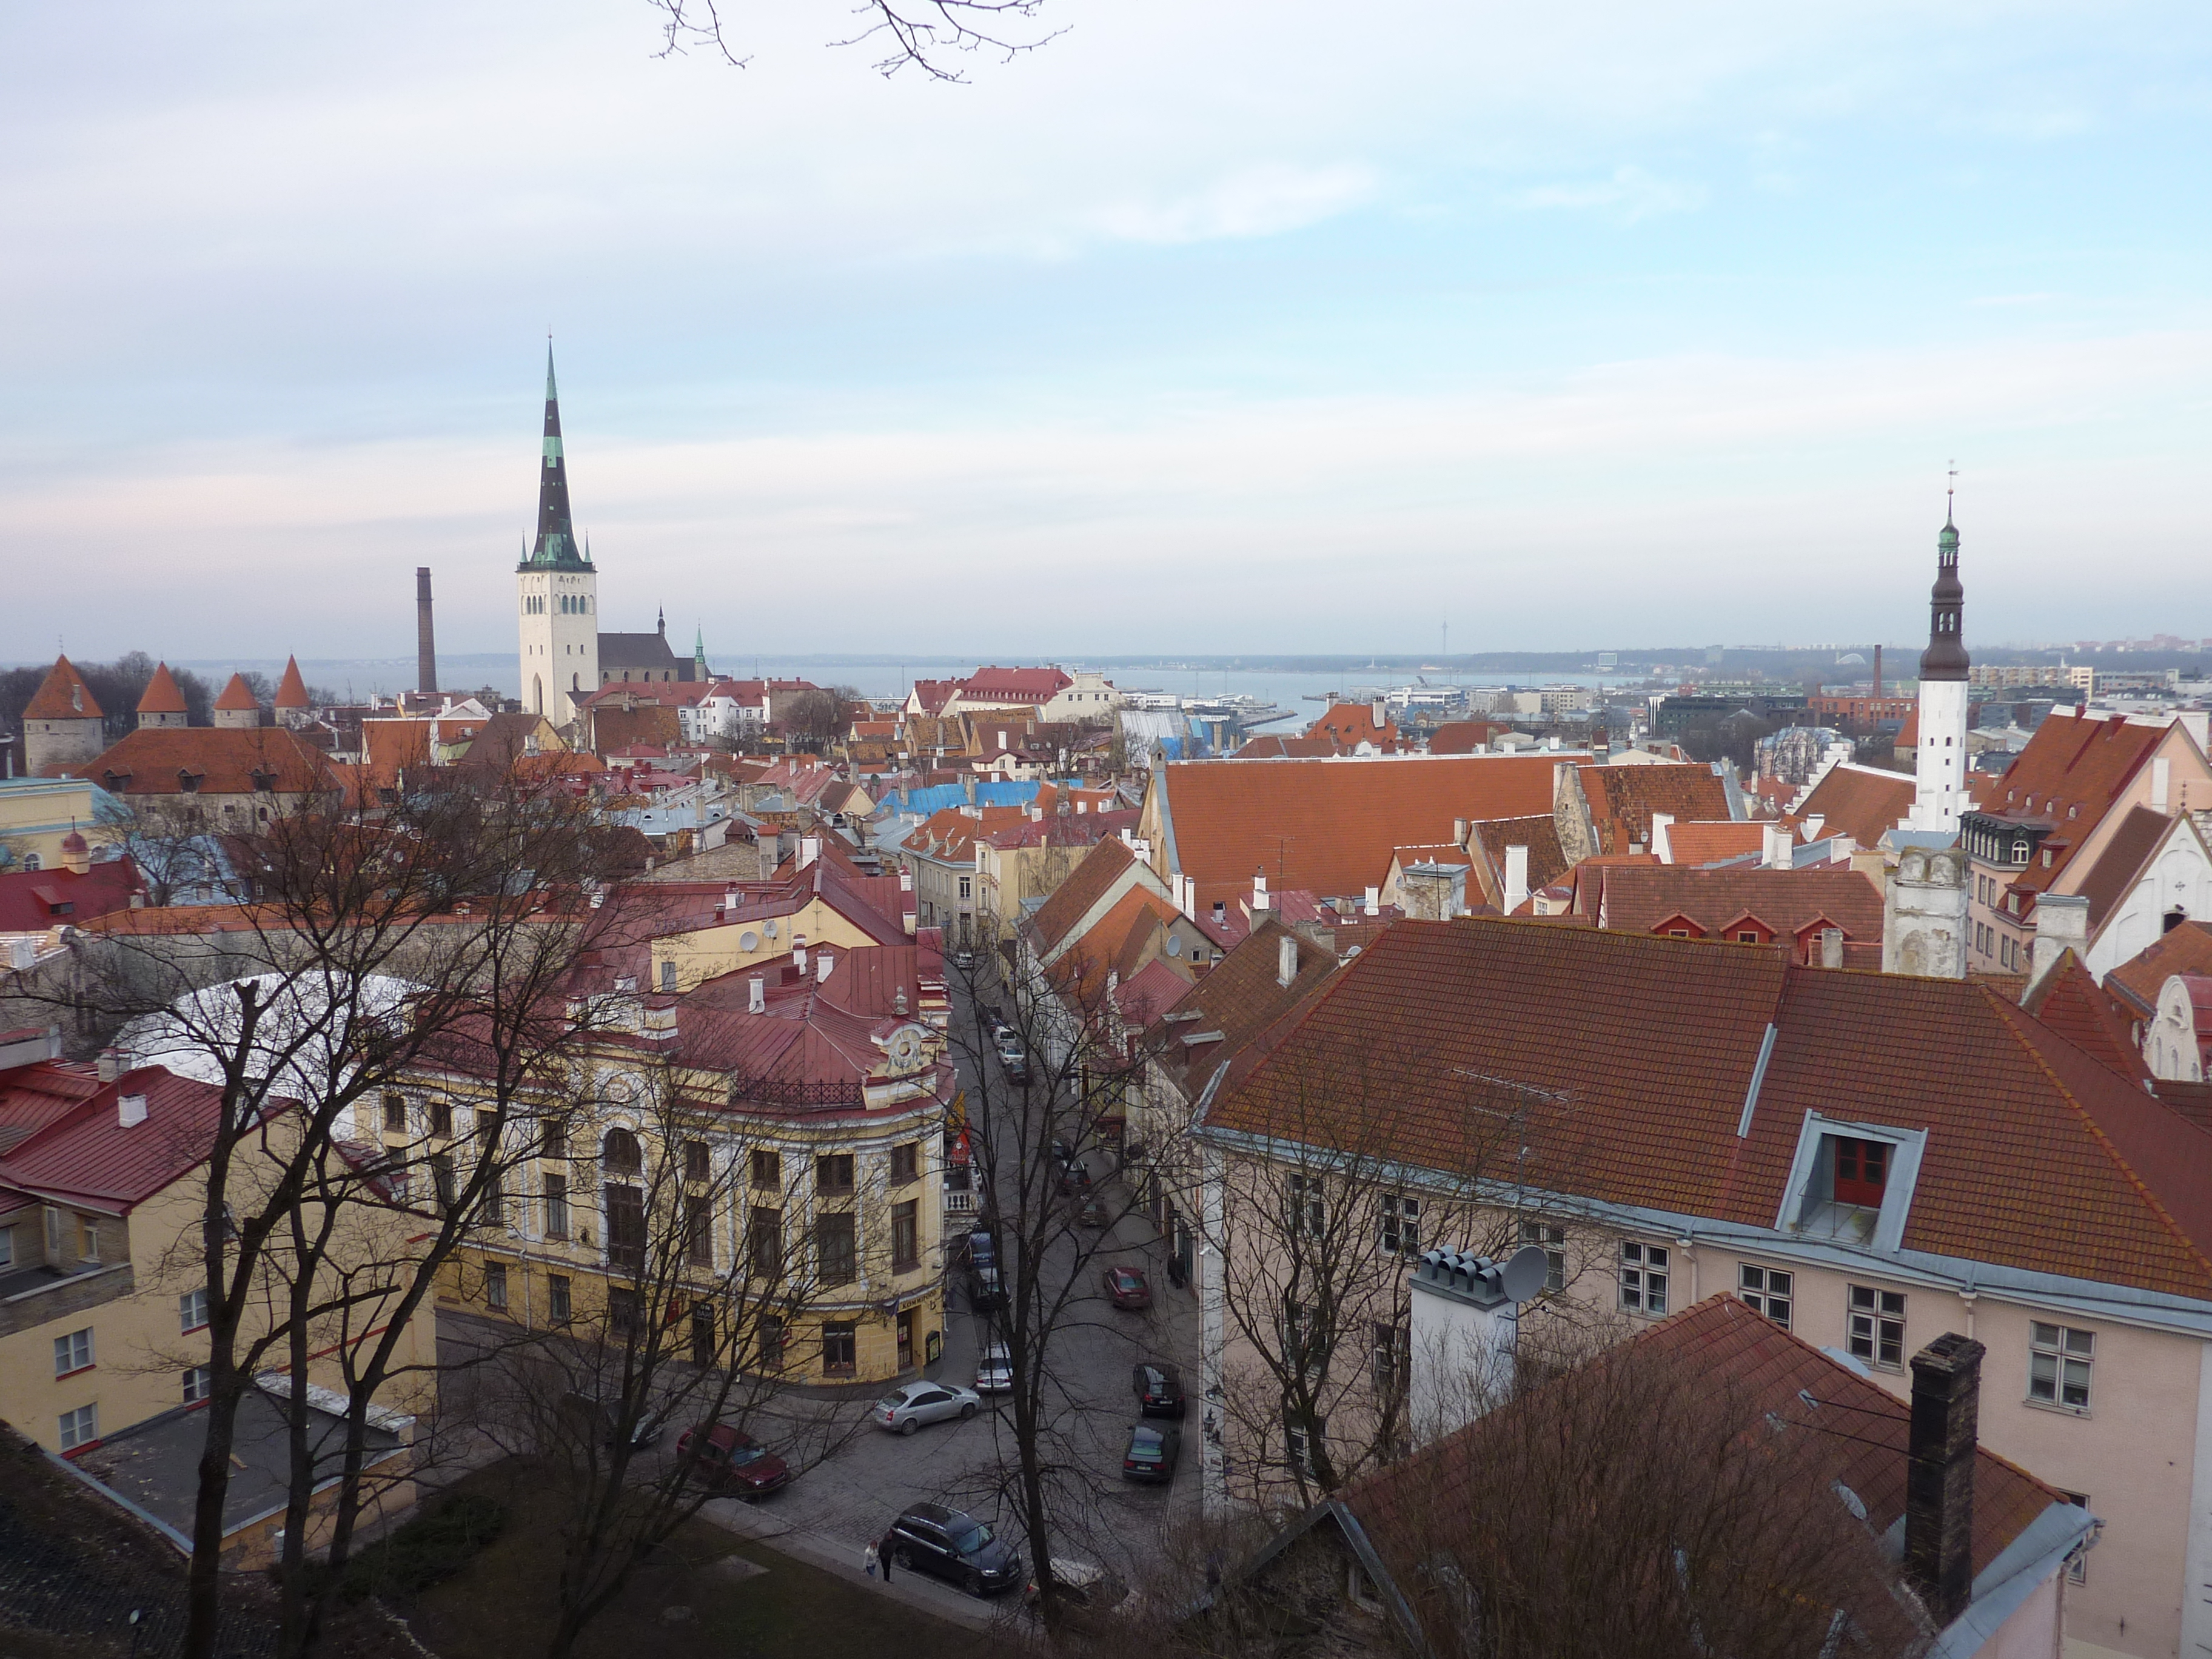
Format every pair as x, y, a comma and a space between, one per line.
1207, 327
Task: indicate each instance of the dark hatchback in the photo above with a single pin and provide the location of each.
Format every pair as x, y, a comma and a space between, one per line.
950, 1544
1158, 1389
1153, 1450
732, 1462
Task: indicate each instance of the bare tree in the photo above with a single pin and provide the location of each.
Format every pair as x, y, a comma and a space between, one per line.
920, 34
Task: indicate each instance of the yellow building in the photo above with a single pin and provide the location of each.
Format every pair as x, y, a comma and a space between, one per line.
37, 814
823, 902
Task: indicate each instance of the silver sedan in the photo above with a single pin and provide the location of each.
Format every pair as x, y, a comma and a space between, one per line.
904, 1410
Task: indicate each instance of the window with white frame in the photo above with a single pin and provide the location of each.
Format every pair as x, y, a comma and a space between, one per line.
79, 1427
191, 1310
1770, 1289
73, 1352
1875, 1333
1550, 1238
1399, 1229
1298, 1447
1390, 1355
1305, 1208
495, 1285
1643, 1270
2058, 1361
2077, 1563
199, 1382
1302, 1339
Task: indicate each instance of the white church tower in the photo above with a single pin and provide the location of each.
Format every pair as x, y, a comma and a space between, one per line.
1939, 773
556, 591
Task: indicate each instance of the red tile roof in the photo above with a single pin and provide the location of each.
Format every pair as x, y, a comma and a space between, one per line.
1696, 844
62, 696
1331, 825
1464, 737
1032, 686
1547, 860
237, 697
1088, 883
1622, 800
1858, 801
2187, 949
2070, 1002
1234, 1001
84, 1155
162, 695
1638, 899
1351, 724
33, 901
291, 691
1625, 1071
221, 760
2071, 762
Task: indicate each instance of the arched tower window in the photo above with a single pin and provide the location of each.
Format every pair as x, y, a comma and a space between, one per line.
621, 1153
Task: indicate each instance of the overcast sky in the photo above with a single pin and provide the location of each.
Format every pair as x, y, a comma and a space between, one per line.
1211, 327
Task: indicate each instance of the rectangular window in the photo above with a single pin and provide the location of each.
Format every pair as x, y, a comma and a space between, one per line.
965, 882
199, 1382
395, 1114
837, 1350
1862, 1170
695, 1160
487, 1130
87, 1239
906, 1164
495, 1199
1298, 1448
73, 1352
1390, 1357
441, 1118
833, 1175
496, 1285
7, 1246
699, 1230
625, 1226
556, 1207
553, 1138
191, 1310
79, 1427
764, 1242
1643, 1271
667, 975
441, 1179
768, 1171
1550, 1238
2077, 1564
774, 1339
1305, 1207
906, 1237
1399, 1233
2058, 1361
622, 1310
1876, 1330
558, 1308
1770, 1289
836, 1259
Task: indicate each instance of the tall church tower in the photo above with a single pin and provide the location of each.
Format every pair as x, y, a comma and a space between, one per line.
1939, 773
556, 591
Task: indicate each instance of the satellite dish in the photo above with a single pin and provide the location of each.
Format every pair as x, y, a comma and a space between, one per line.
1523, 1276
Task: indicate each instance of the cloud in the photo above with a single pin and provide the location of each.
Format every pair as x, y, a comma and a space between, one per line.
1629, 195
1262, 201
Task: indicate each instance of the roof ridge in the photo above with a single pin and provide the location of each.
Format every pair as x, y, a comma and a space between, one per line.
2004, 1010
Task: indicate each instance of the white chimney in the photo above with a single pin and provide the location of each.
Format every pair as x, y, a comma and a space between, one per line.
1516, 879
757, 1002
1382, 713
1375, 901
130, 1110
730, 897
906, 878
2161, 781
1260, 890
799, 952
809, 848
1775, 850
1286, 961
2062, 922
1459, 832
111, 1065
823, 963
1831, 947
1661, 823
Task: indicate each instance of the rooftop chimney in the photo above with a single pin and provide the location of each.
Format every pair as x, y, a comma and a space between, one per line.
1775, 850
1286, 961
1831, 947
823, 963
1661, 823
1260, 890
2061, 923
757, 1002
1516, 879
809, 848
1939, 1489
1374, 901
798, 952
426, 644
130, 1111
111, 1065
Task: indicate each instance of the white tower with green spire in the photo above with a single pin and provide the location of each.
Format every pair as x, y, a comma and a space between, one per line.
556, 590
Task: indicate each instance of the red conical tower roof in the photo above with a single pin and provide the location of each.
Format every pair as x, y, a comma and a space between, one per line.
238, 696
292, 691
63, 696
162, 697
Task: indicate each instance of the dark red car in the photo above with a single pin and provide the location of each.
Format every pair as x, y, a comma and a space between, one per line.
1126, 1288
732, 1462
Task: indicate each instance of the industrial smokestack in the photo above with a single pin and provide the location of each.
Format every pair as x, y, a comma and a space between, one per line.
426, 643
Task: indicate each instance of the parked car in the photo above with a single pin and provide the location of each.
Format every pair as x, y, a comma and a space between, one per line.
949, 1544
1014, 1061
1153, 1450
1093, 1214
1075, 1177
904, 1410
1087, 1591
987, 1291
983, 1248
1158, 1389
995, 1370
604, 1416
732, 1461
963, 959
1126, 1288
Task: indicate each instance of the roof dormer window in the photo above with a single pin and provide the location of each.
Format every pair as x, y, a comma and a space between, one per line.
1851, 1182
1860, 1169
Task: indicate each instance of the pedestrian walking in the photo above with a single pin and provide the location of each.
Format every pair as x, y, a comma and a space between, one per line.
868, 1559
885, 1553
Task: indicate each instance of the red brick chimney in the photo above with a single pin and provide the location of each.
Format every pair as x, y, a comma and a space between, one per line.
1939, 1491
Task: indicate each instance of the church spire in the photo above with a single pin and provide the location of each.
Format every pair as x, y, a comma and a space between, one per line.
1945, 658
556, 548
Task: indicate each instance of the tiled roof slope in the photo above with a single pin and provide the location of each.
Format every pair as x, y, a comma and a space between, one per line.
2186, 950
150, 762
1698, 844
1858, 801
1352, 723
1628, 1058
1639, 898
1085, 885
2071, 1003
1464, 737
1331, 825
1236, 999
86, 1155
162, 695
2134, 840
62, 696
291, 691
1547, 860
238, 696
2071, 762
1622, 800
1778, 1378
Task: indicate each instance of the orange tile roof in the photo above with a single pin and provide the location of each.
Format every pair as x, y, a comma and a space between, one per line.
1464, 737
1638, 899
1352, 723
2070, 1002
291, 691
1858, 801
1330, 825
1087, 884
238, 696
162, 695
221, 761
2071, 762
1622, 800
62, 696
2186, 949
1234, 1001
1695, 844
1625, 1070
1547, 860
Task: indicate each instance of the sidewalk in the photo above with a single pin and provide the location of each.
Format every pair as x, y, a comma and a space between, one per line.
923, 1594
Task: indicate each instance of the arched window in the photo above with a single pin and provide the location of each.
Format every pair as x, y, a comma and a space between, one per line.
621, 1153
2020, 852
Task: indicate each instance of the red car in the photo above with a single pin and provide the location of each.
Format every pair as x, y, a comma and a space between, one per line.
732, 1461
1126, 1288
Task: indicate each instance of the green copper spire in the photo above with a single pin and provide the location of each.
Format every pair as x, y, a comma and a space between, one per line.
556, 548
699, 653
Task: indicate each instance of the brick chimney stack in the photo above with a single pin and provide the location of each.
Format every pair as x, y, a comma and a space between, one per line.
1939, 1491
426, 644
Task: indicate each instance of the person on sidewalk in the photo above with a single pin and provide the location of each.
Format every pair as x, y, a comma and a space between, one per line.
884, 1553
868, 1560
